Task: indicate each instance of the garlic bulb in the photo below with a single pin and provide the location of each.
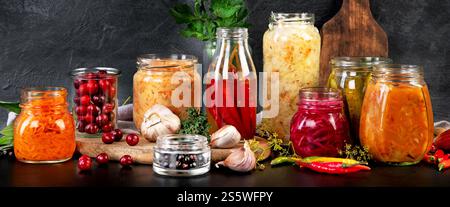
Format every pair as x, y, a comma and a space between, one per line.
226, 137
159, 120
241, 160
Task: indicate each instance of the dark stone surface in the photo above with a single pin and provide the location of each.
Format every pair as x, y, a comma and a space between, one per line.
14, 173
41, 41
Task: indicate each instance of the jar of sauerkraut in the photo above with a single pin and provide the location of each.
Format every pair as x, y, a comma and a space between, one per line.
164, 79
291, 47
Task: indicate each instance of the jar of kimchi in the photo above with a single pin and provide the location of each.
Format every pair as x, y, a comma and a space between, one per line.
44, 131
231, 83
291, 48
167, 80
396, 115
320, 127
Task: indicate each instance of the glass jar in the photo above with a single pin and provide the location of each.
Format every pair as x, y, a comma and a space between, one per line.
291, 47
44, 131
319, 128
231, 84
95, 100
350, 75
181, 155
154, 83
396, 115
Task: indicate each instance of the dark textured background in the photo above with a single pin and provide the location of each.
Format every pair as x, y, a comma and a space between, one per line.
42, 40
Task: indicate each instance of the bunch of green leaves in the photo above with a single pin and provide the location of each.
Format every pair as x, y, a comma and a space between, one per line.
278, 146
356, 152
7, 133
206, 16
195, 123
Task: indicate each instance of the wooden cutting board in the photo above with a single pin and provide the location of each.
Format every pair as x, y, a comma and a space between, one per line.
351, 32
141, 153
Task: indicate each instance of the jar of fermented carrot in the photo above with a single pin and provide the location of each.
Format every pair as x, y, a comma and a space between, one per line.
44, 131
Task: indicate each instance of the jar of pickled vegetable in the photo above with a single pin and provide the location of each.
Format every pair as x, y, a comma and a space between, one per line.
291, 48
320, 127
350, 75
231, 83
95, 100
396, 115
167, 80
44, 131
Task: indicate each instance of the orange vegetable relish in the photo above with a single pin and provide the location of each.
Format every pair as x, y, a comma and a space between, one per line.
44, 131
397, 122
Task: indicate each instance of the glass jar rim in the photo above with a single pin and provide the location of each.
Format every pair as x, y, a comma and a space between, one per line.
142, 59
41, 92
398, 69
358, 61
232, 32
184, 142
292, 17
315, 93
81, 71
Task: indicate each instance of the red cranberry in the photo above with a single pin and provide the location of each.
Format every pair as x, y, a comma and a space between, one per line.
91, 128
84, 163
81, 125
98, 100
92, 87
111, 81
93, 110
88, 118
104, 85
117, 133
76, 83
132, 139
107, 138
107, 128
107, 108
91, 76
76, 100
112, 92
81, 110
102, 158
85, 100
102, 119
83, 90
126, 160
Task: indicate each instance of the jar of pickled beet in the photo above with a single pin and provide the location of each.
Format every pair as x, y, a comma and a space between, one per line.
44, 131
320, 127
95, 100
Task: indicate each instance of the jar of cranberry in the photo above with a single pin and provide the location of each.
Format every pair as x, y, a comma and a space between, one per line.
319, 128
95, 100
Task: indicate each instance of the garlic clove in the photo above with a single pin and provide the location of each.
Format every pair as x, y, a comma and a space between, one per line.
159, 120
226, 137
240, 160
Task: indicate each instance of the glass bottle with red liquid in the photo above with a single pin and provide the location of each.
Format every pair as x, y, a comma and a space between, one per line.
320, 127
231, 83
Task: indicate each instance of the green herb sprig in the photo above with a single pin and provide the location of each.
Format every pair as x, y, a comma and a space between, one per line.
356, 152
7, 133
195, 123
206, 16
278, 146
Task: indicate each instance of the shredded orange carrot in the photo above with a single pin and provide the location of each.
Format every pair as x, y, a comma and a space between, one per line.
44, 131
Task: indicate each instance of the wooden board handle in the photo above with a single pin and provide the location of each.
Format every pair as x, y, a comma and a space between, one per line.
355, 7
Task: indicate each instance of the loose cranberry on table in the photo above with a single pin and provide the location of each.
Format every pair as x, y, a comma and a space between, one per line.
84, 163
102, 158
132, 139
107, 138
91, 128
117, 133
126, 160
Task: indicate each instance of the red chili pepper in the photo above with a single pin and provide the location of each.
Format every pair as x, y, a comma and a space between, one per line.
429, 159
444, 165
333, 167
443, 158
439, 154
